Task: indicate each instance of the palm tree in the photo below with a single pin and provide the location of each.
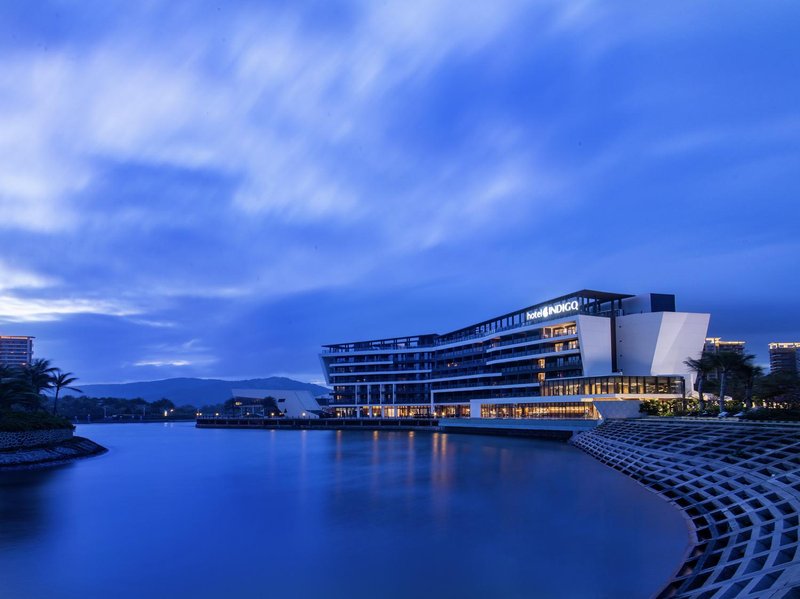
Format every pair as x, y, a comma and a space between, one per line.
749, 373
15, 390
7, 377
10, 387
61, 380
726, 363
702, 367
37, 377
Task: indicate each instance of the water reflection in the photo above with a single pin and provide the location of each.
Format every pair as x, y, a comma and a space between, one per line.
330, 514
27, 509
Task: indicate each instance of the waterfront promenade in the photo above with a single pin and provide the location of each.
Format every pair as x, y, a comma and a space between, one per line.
738, 484
540, 427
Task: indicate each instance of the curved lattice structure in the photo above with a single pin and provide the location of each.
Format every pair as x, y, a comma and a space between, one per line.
739, 483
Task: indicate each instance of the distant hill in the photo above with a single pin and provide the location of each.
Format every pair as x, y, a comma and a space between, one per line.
183, 391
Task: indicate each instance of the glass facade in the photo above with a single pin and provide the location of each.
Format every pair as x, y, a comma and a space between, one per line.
581, 410
455, 411
611, 385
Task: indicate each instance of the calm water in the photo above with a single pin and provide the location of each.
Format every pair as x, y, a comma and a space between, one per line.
172, 511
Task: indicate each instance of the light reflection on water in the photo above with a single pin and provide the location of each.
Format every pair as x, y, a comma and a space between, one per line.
172, 511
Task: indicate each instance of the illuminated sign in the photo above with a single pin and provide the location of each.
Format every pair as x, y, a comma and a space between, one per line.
552, 310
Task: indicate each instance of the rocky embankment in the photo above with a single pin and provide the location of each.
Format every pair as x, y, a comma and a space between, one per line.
31, 448
738, 484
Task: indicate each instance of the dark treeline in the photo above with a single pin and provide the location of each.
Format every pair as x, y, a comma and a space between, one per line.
84, 408
33, 393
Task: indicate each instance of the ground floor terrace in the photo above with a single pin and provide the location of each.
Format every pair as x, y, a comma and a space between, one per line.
486, 410
565, 407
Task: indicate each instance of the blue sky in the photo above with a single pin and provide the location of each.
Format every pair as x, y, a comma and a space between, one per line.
218, 188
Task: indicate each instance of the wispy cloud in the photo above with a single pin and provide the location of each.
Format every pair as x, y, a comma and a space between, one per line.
15, 278
191, 353
17, 309
162, 363
287, 110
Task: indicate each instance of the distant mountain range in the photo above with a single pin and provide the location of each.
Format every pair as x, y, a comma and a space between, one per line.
197, 392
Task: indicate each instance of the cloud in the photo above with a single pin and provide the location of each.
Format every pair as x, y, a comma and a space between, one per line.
15, 278
17, 309
297, 124
288, 108
179, 169
188, 353
160, 363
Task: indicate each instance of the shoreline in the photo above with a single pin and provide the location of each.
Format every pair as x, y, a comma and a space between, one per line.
69, 450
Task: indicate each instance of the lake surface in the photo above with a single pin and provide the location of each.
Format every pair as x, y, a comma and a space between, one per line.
173, 511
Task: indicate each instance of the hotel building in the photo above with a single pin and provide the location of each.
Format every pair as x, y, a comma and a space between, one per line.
784, 357
716, 345
15, 350
581, 355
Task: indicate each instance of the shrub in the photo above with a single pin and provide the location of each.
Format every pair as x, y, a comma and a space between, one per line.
772, 414
17, 422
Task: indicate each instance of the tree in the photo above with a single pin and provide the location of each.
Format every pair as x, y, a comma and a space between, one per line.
61, 380
726, 363
702, 367
13, 389
780, 387
7, 387
138, 403
162, 405
38, 376
749, 373
28, 382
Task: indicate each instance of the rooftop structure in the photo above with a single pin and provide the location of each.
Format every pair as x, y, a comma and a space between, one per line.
784, 357
16, 350
575, 356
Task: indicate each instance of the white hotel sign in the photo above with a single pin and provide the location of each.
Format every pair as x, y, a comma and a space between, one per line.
552, 310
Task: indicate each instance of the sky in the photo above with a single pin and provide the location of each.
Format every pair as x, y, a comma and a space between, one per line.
217, 189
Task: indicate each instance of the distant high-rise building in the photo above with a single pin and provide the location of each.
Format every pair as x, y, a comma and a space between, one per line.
783, 357
715, 345
16, 350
